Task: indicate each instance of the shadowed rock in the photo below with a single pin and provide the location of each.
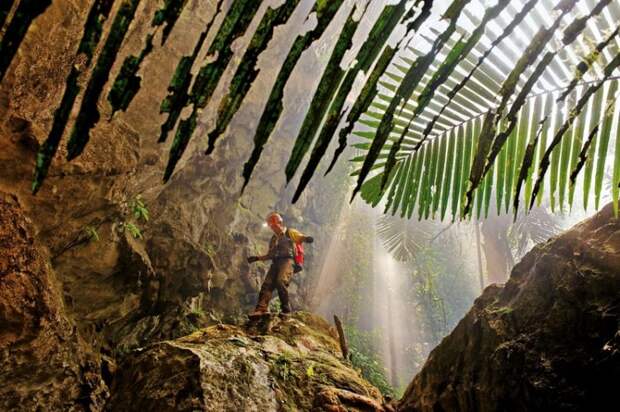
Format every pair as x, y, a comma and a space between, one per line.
296, 366
547, 340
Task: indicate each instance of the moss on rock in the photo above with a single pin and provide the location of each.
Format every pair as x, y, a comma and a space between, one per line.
296, 366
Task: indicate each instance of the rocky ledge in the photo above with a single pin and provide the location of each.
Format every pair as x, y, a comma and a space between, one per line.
548, 340
292, 364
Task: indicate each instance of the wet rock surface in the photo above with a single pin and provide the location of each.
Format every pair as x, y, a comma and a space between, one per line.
547, 340
46, 365
291, 364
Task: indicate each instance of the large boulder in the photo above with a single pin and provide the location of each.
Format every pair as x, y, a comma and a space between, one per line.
289, 365
548, 340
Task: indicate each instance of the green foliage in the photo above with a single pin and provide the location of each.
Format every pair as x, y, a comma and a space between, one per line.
169, 14
512, 141
91, 233
271, 113
275, 306
89, 115
363, 357
127, 82
508, 154
139, 209
235, 23
282, 367
328, 85
91, 35
381, 30
178, 88
210, 250
132, 229
247, 70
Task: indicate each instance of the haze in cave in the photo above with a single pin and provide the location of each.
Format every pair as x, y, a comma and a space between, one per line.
309, 205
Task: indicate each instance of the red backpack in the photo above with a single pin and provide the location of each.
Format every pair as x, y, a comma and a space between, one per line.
298, 254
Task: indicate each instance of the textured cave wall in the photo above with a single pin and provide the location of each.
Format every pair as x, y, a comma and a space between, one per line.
194, 248
45, 362
547, 340
123, 292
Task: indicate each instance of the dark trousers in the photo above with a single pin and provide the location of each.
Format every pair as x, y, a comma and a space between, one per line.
278, 277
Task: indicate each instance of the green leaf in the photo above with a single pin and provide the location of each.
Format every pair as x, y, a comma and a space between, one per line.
328, 85
457, 180
405, 91
544, 165
589, 148
439, 176
178, 87
89, 115
603, 147
414, 187
273, 108
615, 182
402, 183
445, 191
247, 71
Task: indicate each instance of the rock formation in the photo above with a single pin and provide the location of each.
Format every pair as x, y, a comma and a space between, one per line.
294, 366
549, 340
45, 362
129, 323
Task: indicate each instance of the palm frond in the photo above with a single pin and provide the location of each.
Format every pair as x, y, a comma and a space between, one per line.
500, 145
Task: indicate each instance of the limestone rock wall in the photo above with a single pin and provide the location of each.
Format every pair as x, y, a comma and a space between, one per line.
110, 295
123, 291
547, 340
45, 362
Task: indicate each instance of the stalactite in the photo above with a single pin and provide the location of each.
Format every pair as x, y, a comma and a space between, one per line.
91, 36
88, 115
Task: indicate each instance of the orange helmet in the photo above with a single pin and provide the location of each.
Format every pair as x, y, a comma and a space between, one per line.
274, 218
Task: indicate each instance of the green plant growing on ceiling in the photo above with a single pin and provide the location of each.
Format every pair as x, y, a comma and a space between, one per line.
456, 109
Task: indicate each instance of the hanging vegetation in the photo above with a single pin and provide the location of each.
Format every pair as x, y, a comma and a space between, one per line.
442, 130
379, 34
458, 52
332, 75
406, 89
236, 22
88, 115
247, 70
91, 36
178, 89
369, 91
127, 82
497, 151
325, 12
168, 16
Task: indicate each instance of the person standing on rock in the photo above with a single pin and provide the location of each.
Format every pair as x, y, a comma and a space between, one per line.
284, 253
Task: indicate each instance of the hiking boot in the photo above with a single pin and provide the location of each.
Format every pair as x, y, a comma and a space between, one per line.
259, 312
286, 315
